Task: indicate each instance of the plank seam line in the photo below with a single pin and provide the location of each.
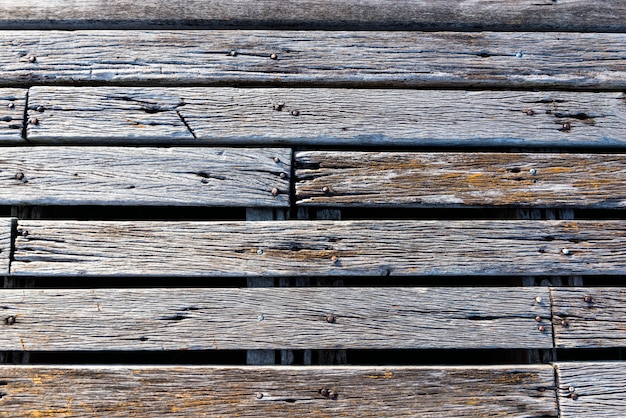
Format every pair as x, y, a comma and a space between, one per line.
557, 383
12, 244
182, 118
25, 117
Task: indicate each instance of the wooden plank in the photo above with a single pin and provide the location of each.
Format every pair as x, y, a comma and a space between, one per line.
576, 15
5, 245
345, 59
589, 317
394, 179
592, 389
12, 104
145, 176
326, 116
311, 248
275, 318
199, 391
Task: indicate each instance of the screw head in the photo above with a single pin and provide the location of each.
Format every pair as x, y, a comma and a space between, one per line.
32, 59
532, 171
259, 395
260, 317
259, 251
295, 112
588, 298
274, 57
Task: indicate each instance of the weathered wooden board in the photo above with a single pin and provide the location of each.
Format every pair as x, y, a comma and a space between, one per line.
326, 116
572, 15
590, 317
144, 176
460, 179
200, 391
5, 245
592, 389
310, 248
346, 59
275, 318
12, 103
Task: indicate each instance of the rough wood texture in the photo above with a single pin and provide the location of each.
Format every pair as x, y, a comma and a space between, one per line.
5, 245
278, 391
326, 116
12, 103
592, 389
345, 59
274, 318
144, 176
460, 179
572, 15
590, 317
309, 248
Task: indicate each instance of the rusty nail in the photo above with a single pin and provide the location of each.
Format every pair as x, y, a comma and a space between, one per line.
259, 395
275, 191
574, 396
11, 105
571, 389
331, 319
32, 59
19, 176
566, 251
323, 392
538, 299
588, 298
325, 189
33, 121
260, 318
279, 106
295, 112
276, 160
10, 320
533, 171
565, 323
259, 251
538, 318
283, 175
541, 328
40, 109
566, 126
274, 57
233, 53
332, 395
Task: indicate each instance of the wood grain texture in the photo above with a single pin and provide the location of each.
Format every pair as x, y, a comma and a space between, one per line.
144, 176
592, 389
278, 391
572, 15
5, 245
412, 179
310, 248
599, 323
274, 318
326, 116
12, 103
345, 59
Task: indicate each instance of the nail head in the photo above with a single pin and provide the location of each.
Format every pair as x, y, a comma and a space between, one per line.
283, 175
260, 317
538, 318
295, 112
334, 258
323, 392
571, 389
279, 106
259, 252
566, 126
565, 323
10, 320
19, 176
533, 171
40, 109
574, 396
32, 59
233, 53
331, 319
541, 328
259, 395
275, 192
538, 299
274, 56
276, 160
519, 54
588, 298
11, 105
566, 251
325, 189
33, 121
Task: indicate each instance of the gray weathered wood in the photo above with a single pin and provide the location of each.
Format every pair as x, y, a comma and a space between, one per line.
525, 15
200, 391
326, 116
12, 103
144, 176
460, 179
275, 318
407, 59
592, 389
599, 323
5, 245
311, 248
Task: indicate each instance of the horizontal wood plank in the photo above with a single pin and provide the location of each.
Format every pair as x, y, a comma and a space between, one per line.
590, 317
410, 179
275, 318
572, 15
515, 391
592, 389
12, 103
145, 176
346, 59
5, 245
310, 248
325, 116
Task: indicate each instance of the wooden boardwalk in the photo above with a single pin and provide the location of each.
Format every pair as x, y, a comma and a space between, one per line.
338, 208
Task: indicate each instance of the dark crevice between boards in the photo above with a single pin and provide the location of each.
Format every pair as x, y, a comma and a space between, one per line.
143, 282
